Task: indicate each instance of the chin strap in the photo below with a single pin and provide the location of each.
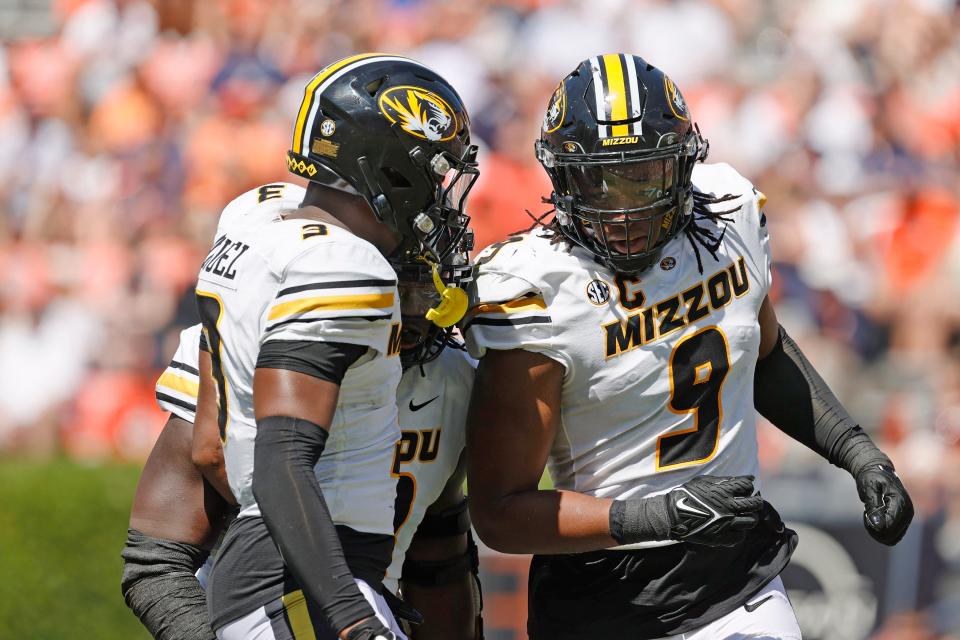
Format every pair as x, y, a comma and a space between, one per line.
453, 300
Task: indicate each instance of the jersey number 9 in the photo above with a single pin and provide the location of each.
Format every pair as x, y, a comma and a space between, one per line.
698, 366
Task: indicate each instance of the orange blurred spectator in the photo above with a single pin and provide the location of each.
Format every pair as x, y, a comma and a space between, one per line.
126, 118
115, 417
504, 191
227, 156
925, 230
42, 73
511, 182
179, 70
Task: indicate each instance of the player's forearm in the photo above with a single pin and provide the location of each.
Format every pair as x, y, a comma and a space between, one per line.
544, 522
206, 449
790, 393
440, 577
298, 519
213, 468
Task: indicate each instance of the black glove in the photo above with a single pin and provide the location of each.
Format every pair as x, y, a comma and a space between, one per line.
716, 511
887, 508
370, 629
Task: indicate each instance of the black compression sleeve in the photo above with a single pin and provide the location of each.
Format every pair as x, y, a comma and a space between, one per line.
298, 519
325, 360
789, 392
160, 587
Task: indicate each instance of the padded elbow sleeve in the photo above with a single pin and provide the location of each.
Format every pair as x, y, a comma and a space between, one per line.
790, 393
161, 589
298, 519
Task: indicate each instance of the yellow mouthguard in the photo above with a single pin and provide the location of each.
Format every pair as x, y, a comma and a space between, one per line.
453, 302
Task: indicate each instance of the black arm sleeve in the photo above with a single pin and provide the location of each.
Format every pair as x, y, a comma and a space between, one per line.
160, 587
298, 519
325, 360
789, 392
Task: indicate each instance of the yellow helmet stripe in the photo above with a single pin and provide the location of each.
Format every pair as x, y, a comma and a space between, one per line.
299, 130
616, 93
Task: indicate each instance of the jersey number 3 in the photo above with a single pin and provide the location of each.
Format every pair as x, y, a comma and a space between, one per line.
698, 366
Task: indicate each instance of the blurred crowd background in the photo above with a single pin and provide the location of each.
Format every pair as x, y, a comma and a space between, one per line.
126, 125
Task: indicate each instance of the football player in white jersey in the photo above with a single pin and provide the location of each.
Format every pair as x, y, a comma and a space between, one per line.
177, 513
625, 344
176, 516
302, 319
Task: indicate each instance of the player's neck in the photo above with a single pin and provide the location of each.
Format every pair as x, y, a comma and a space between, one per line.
348, 212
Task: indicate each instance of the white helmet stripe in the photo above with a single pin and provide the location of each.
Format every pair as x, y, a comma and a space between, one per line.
598, 91
630, 64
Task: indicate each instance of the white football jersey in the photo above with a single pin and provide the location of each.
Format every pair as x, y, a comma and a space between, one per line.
269, 279
433, 414
177, 386
658, 384
433, 410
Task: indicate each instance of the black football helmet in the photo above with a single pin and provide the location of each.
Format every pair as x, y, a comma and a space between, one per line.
396, 133
420, 339
619, 146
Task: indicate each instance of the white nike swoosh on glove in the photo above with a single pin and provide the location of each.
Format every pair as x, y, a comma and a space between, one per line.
683, 506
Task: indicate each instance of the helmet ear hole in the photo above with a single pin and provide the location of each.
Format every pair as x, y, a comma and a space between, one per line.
396, 179
374, 86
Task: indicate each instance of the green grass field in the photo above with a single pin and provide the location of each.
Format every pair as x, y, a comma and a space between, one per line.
62, 526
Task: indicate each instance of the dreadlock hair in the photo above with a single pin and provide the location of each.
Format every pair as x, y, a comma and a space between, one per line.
698, 234
538, 221
450, 341
556, 234
695, 231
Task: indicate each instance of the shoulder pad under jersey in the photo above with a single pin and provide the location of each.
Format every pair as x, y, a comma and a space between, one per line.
260, 204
